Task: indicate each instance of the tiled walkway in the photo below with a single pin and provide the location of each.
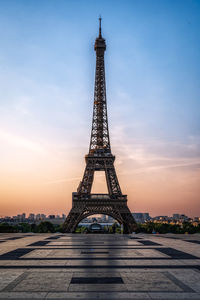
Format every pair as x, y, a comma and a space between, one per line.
64, 266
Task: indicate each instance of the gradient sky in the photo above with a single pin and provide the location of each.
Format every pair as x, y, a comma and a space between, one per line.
47, 67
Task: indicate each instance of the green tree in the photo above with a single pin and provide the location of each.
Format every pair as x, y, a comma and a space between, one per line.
58, 228
45, 227
25, 227
188, 227
5, 227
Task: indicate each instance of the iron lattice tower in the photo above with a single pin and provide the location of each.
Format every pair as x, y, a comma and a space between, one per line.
99, 158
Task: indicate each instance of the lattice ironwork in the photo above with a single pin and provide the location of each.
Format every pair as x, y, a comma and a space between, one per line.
99, 158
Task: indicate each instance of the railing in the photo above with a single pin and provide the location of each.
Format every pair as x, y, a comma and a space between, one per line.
98, 197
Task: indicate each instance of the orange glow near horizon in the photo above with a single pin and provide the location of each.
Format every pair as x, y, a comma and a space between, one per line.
39, 183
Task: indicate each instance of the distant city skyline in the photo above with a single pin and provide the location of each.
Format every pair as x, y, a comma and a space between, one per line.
46, 95
58, 220
31, 214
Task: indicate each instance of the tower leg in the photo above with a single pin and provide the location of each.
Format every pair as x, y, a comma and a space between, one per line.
117, 209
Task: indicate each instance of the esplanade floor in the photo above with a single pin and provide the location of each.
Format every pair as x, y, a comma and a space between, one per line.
89, 266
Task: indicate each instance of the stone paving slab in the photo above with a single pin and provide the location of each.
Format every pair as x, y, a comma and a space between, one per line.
7, 276
99, 266
141, 253
44, 282
22, 295
96, 295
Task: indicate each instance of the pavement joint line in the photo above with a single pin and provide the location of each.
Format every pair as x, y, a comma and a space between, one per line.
171, 252
192, 241
97, 280
179, 283
92, 258
101, 267
55, 247
15, 282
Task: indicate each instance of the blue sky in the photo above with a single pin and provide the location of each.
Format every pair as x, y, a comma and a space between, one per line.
46, 92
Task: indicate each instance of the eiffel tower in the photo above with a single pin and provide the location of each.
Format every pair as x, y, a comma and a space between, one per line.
99, 158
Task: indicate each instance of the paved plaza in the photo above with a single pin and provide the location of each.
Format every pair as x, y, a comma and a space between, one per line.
89, 266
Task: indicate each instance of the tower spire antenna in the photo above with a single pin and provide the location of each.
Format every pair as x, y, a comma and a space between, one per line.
100, 26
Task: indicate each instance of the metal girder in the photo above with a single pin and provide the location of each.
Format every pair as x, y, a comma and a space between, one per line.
102, 163
100, 134
117, 209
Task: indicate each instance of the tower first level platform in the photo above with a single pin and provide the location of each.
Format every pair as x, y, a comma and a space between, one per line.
84, 206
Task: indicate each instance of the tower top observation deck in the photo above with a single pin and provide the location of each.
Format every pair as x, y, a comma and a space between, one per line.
100, 44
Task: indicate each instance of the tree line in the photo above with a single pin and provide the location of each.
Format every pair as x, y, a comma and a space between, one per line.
149, 227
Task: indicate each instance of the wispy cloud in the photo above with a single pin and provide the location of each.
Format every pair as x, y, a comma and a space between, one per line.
153, 155
148, 169
61, 180
21, 142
